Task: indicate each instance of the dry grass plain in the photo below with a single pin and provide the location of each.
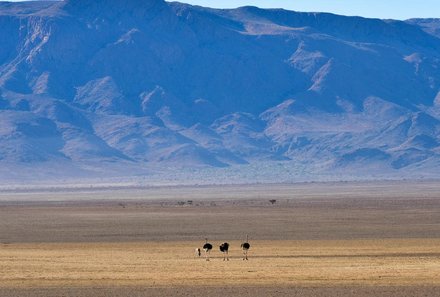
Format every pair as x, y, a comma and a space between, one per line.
372, 239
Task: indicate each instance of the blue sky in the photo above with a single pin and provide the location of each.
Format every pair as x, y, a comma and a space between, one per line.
395, 9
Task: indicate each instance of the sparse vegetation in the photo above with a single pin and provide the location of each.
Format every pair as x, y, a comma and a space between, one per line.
350, 245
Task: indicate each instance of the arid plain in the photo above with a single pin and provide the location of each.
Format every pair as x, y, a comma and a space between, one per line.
317, 239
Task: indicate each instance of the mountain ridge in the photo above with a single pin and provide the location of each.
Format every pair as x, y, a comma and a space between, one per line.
112, 89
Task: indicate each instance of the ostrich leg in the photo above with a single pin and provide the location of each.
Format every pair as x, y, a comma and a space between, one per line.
245, 257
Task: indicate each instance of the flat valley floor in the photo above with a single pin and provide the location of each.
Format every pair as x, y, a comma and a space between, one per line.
316, 239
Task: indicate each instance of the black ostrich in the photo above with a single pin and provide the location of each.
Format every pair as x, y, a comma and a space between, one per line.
224, 248
245, 246
207, 247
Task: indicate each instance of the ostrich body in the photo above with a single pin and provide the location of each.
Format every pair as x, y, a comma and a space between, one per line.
224, 248
207, 247
246, 246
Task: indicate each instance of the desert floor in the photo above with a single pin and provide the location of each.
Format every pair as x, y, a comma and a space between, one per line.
330, 239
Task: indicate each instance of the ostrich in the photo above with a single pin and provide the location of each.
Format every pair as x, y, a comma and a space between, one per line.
198, 252
224, 248
207, 247
245, 246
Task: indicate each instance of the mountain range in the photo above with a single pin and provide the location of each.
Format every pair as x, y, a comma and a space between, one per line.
115, 88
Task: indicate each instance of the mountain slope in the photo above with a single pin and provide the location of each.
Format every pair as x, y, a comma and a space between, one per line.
432, 26
138, 87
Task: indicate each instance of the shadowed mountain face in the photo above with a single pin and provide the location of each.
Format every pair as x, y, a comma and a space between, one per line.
145, 85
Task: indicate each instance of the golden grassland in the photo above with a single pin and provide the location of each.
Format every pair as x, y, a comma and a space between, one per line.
333, 239
386, 262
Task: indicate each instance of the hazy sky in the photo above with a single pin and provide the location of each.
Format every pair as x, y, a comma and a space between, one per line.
396, 9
